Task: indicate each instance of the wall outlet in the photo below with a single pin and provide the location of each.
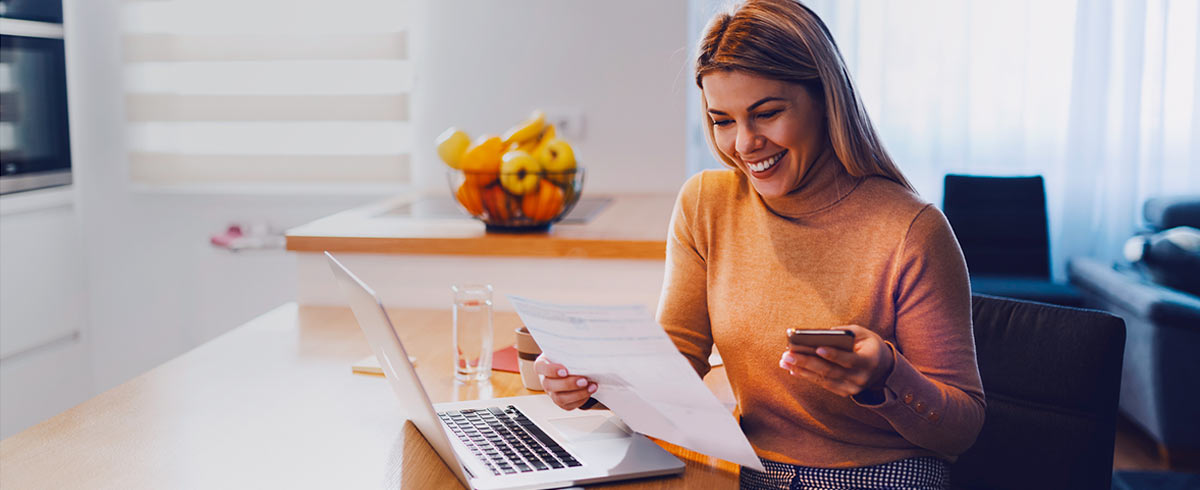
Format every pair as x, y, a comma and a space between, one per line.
568, 122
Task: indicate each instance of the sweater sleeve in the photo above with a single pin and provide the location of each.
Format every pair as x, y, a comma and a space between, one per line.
683, 307
934, 396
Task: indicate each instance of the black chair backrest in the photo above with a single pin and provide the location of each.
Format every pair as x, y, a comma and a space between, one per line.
1000, 223
1052, 376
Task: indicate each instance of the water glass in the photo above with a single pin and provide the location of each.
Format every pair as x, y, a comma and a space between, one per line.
472, 331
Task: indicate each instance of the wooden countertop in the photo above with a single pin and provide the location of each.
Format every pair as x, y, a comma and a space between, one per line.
273, 404
630, 227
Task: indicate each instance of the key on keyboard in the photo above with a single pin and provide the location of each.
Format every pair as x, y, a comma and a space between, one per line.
506, 441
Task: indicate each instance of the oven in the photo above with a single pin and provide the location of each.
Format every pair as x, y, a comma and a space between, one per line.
34, 139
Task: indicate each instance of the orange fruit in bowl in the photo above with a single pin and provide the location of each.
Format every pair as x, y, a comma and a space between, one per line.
481, 163
468, 195
544, 203
495, 202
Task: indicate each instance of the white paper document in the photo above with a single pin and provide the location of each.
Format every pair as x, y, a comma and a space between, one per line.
641, 376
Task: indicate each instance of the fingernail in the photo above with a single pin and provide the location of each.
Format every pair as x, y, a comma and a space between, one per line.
581, 383
788, 358
822, 351
592, 388
562, 373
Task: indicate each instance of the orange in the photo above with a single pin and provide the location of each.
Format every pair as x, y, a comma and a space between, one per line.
543, 204
468, 195
495, 202
481, 163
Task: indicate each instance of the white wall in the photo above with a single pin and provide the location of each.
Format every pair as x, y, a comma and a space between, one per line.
484, 65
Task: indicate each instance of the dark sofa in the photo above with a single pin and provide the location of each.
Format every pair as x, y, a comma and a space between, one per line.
1160, 382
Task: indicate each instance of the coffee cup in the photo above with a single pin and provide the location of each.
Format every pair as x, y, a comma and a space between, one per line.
528, 352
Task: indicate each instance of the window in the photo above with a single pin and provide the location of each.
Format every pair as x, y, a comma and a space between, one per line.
267, 91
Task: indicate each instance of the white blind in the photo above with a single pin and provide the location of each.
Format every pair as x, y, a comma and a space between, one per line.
271, 91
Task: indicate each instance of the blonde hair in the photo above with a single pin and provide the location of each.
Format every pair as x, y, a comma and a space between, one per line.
784, 40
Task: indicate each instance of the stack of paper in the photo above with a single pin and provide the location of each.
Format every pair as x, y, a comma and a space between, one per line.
641, 376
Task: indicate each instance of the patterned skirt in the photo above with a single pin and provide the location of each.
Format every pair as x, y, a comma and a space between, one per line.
913, 473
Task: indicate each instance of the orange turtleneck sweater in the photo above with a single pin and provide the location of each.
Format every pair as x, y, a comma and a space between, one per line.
838, 250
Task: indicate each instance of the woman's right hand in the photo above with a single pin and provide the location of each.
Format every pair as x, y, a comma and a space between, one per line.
566, 391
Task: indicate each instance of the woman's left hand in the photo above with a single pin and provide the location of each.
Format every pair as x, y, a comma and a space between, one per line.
839, 371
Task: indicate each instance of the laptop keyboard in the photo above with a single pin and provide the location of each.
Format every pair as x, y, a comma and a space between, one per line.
506, 440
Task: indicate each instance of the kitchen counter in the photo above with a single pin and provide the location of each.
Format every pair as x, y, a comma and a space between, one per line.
608, 250
619, 227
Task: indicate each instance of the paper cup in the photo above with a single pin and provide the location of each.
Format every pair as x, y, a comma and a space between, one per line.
527, 353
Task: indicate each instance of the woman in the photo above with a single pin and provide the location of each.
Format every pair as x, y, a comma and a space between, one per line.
813, 226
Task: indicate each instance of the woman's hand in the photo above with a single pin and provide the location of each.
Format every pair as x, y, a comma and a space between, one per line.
568, 392
844, 373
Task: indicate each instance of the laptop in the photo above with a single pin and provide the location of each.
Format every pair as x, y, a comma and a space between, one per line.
517, 442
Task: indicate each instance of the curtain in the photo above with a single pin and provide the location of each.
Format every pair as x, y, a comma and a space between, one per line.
267, 91
1100, 97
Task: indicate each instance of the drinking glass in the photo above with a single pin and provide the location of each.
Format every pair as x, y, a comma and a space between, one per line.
472, 331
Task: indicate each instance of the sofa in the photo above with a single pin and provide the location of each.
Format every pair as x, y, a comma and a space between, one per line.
1157, 292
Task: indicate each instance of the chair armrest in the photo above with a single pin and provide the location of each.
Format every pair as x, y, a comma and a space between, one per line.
1159, 304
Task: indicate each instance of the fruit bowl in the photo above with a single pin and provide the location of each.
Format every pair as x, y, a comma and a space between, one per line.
516, 202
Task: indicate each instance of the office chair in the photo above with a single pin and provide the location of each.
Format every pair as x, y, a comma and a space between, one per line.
1052, 376
1001, 225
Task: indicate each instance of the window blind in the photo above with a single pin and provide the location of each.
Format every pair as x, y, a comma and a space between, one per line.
267, 91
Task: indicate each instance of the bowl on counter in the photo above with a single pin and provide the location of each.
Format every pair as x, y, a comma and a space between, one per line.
516, 202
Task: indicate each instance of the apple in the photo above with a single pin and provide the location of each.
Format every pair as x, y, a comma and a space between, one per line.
558, 159
557, 156
520, 172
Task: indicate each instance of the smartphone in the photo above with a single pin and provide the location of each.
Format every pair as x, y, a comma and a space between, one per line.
841, 339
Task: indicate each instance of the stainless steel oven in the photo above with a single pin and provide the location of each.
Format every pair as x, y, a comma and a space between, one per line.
34, 139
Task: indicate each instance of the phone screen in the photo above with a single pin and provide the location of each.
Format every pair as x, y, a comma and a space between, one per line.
841, 339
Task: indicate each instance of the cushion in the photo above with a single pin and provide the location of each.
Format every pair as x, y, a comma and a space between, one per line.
1168, 212
1170, 258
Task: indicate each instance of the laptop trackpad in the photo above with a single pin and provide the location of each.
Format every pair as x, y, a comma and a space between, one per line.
588, 428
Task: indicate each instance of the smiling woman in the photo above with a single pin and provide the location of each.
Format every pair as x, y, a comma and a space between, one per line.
772, 139
790, 49
814, 227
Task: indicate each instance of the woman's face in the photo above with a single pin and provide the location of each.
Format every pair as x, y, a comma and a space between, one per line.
772, 130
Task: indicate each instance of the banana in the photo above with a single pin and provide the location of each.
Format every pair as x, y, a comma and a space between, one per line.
547, 135
452, 145
526, 130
